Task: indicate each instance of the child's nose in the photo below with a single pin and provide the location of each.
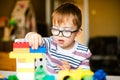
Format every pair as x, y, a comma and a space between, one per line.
60, 34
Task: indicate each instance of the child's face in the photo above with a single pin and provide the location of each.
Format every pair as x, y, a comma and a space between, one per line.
64, 33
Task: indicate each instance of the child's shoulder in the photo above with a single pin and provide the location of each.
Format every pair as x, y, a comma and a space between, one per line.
81, 47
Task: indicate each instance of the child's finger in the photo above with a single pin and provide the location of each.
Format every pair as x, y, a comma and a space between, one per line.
33, 42
66, 65
58, 66
65, 62
39, 40
36, 43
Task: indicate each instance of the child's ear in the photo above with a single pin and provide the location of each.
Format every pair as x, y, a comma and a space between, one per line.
79, 31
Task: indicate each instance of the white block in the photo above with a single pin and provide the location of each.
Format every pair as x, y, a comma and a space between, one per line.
25, 65
25, 76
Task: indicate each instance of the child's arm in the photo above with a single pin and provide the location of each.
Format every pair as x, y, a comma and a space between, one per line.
34, 39
86, 62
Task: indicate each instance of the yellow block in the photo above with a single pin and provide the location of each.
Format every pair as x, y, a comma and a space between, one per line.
25, 69
25, 55
1, 76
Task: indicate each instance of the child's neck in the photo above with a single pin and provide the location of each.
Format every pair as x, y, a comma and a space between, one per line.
69, 47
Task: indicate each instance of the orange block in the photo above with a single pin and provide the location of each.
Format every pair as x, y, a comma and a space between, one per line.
25, 60
21, 50
21, 60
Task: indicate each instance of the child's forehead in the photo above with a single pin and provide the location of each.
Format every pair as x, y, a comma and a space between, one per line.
63, 19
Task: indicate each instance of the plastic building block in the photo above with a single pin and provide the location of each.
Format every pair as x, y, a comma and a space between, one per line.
99, 75
21, 50
3, 79
88, 78
39, 50
25, 75
77, 74
12, 77
1, 76
24, 55
40, 74
25, 70
21, 45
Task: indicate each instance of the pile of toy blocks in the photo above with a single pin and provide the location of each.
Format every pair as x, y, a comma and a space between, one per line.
25, 56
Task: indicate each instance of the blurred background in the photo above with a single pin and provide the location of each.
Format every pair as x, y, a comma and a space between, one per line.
101, 28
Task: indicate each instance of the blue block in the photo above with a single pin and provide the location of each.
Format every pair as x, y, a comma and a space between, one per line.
100, 74
39, 50
3, 79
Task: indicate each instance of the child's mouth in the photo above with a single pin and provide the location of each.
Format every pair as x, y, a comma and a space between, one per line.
61, 41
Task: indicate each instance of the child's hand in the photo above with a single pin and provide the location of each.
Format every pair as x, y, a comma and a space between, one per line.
34, 39
65, 66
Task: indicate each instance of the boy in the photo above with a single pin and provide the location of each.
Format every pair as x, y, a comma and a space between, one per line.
63, 52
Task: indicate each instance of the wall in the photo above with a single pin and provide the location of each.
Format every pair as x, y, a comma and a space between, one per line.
104, 18
39, 8
81, 35
6, 7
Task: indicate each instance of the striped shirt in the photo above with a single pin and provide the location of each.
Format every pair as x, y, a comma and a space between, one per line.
77, 57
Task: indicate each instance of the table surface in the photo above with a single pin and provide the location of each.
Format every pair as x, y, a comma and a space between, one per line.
7, 73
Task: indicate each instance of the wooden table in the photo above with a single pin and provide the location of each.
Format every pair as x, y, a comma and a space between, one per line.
6, 63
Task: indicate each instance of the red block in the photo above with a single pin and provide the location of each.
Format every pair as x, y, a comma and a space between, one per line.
21, 45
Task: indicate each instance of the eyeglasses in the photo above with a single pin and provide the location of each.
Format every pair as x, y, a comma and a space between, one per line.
65, 33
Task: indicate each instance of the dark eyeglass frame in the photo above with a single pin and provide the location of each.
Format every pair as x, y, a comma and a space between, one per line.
61, 31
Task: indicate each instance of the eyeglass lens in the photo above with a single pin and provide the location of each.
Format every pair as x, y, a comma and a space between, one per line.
65, 33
